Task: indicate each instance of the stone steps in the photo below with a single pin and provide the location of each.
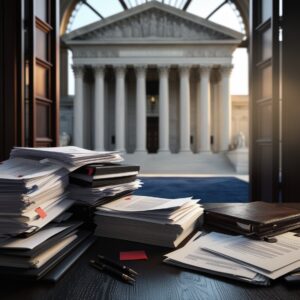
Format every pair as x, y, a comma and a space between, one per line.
181, 163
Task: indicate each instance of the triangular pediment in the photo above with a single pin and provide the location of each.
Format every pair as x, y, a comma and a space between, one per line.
153, 21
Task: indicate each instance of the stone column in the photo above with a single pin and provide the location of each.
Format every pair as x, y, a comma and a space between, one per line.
78, 109
204, 110
164, 109
120, 108
141, 108
184, 109
99, 109
225, 108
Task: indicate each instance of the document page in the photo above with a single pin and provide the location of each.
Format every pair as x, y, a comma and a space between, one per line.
34, 240
137, 203
194, 257
21, 169
261, 254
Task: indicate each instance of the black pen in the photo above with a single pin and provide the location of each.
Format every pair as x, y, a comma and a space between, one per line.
112, 271
116, 265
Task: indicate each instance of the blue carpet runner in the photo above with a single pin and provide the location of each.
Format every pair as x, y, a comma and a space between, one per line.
208, 189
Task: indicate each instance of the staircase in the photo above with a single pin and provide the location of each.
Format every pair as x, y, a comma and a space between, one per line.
181, 163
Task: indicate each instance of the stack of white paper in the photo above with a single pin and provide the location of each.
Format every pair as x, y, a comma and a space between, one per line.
269, 259
239, 257
99, 195
32, 194
38, 255
150, 220
192, 256
70, 157
34, 251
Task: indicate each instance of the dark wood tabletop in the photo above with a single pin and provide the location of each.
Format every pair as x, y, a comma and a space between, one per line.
156, 280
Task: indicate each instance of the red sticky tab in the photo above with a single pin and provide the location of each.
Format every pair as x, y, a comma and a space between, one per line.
41, 212
133, 255
90, 171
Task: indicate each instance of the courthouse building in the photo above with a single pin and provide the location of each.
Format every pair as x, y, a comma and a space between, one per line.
153, 79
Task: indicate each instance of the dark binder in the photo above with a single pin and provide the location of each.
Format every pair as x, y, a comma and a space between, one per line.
103, 182
106, 168
257, 219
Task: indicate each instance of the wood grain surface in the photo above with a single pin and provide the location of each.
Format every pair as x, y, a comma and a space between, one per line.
156, 281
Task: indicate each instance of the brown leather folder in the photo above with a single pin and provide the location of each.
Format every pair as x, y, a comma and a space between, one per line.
258, 219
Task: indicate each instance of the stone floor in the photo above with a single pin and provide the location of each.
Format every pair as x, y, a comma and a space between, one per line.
183, 164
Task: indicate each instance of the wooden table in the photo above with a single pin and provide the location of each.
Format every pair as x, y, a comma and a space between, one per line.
156, 280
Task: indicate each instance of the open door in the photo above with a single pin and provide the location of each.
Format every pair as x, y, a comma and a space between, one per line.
29, 74
264, 100
42, 70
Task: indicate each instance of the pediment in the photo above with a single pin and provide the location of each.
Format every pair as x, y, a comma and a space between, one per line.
153, 21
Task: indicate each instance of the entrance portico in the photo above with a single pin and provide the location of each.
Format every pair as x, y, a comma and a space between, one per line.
189, 58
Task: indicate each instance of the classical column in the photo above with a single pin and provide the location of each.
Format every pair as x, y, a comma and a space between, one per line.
78, 109
204, 110
225, 108
120, 108
99, 109
164, 109
141, 108
184, 109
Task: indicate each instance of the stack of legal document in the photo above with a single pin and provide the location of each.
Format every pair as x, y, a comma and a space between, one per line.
238, 257
40, 254
34, 237
95, 196
149, 220
96, 184
70, 157
32, 194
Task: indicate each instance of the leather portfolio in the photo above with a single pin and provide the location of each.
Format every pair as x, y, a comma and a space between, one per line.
258, 219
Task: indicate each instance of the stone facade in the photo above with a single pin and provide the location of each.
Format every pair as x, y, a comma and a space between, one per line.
153, 79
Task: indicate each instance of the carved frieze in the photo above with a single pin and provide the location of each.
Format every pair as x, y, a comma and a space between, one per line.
156, 24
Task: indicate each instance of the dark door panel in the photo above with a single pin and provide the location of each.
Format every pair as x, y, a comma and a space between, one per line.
152, 134
264, 100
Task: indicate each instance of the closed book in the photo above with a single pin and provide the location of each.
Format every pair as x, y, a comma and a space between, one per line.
260, 219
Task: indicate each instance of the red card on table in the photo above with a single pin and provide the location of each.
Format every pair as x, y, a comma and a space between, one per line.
133, 255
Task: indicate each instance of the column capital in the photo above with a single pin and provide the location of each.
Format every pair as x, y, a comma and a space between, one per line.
185, 69
226, 69
120, 69
78, 70
99, 69
163, 69
205, 70
140, 69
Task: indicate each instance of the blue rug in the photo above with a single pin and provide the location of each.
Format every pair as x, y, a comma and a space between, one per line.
208, 189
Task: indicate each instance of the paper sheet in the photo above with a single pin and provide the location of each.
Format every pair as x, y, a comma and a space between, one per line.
273, 259
136, 203
194, 257
34, 240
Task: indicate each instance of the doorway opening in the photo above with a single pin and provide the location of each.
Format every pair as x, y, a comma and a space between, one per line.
152, 91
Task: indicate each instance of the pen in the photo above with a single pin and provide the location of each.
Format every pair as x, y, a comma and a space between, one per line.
116, 265
112, 271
